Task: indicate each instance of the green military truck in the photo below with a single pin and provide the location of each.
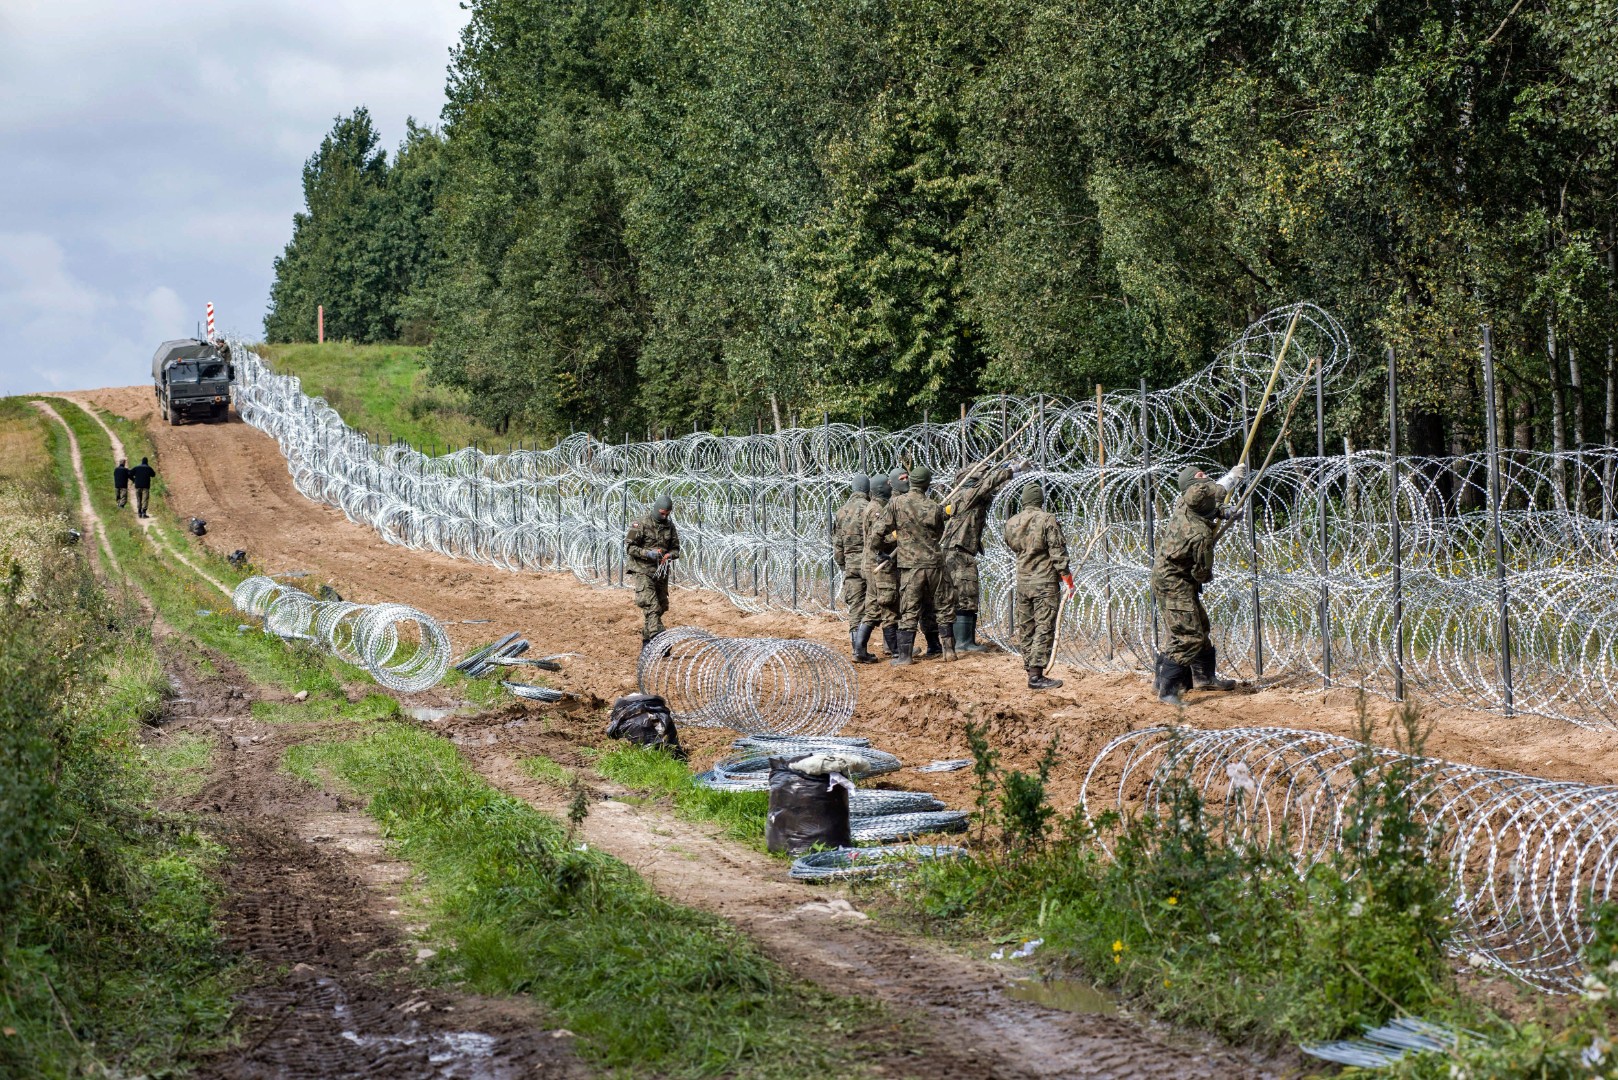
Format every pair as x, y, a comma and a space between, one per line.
192, 380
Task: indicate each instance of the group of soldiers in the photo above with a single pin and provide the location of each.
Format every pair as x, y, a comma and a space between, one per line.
910, 566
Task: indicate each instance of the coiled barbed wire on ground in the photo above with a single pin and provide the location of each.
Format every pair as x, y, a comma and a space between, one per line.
760, 686
843, 863
402, 648
1529, 858
750, 771
1307, 592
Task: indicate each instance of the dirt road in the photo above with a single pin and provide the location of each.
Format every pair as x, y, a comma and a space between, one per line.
234, 476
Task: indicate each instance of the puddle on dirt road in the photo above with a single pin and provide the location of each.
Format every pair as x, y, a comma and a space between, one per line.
1069, 995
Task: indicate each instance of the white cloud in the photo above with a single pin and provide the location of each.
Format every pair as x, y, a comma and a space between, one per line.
153, 159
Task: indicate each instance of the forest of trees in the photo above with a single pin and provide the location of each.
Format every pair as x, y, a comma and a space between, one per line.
650, 213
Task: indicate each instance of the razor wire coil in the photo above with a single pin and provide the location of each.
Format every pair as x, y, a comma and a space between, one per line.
755, 513
403, 649
759, 686
1529, 858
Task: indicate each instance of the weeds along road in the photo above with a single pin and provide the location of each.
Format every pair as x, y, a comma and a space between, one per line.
311, 893
234, 476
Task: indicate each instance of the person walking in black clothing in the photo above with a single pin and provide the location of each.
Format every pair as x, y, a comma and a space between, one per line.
142, 476
120, 481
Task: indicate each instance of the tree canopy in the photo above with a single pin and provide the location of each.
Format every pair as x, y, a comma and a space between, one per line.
653, 213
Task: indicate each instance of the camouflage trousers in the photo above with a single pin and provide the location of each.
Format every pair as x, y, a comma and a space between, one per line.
652, 597
1185, 620
123, 496
854, 593
919, 597
961, 577
1034, 622
882, 599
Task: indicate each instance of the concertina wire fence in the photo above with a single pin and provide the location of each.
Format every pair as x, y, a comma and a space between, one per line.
1305, 590
1529, 859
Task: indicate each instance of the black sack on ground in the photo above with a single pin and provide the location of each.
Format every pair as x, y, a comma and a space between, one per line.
645, 720
804, 811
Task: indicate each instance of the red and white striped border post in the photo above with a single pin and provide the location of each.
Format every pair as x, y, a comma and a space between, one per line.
210, 320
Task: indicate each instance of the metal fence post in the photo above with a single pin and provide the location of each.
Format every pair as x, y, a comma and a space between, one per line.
1252, 550
1148, 503
1494, 519
1393, 508
1320, 511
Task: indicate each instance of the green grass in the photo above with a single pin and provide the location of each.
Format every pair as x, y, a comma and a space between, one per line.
321, 708
179, 763
647, 985
383, 390
551, 772
110, 962
742, 814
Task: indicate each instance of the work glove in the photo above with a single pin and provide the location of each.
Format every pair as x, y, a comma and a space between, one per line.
666, 556
1234, 513
1067, 582
1017, 465
1236, 475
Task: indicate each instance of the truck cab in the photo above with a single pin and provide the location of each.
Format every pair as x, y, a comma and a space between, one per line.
192, 380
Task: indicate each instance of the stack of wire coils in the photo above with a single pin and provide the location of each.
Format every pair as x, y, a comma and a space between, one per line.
759, 686
873, 814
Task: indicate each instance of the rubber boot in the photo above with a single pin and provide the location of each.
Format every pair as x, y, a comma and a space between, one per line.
929, 633
906, 645
947, 643
862, 636
1172, 681
1203, 676
890, 640
966, 633
1038, 681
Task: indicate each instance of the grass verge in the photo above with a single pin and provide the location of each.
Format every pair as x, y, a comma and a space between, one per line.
522, 907
109, 960
384, 390
742, 814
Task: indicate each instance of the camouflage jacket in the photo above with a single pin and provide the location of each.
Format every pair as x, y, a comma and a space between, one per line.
646, 534
969, 510
1185, 543
1036, 537
876, 563
848, 534
911, 528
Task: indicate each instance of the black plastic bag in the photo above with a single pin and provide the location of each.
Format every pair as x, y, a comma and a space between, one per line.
805, 810
644, 719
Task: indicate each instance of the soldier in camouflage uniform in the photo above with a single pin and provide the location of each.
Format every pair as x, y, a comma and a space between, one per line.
881, 573
1035, 537
1184, 564
651, 545
848, 552
911, 528
962, 543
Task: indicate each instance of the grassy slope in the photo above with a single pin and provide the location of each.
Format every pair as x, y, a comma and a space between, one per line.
383, 389
109, 956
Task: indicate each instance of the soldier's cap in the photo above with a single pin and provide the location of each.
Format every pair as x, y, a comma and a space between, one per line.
663, 505
862, 483
920, 477
1032, 496
1189, 476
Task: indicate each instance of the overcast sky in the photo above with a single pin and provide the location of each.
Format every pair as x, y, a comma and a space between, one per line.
151, 154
